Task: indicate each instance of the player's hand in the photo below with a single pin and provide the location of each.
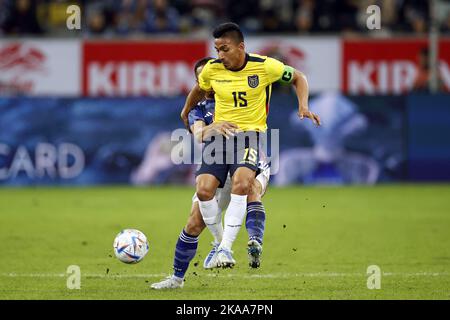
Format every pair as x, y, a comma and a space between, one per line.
227, 129
311, 115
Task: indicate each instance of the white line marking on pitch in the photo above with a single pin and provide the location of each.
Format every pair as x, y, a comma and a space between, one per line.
231, 275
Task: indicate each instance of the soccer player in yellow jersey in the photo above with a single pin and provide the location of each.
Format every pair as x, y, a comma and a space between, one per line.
241, 83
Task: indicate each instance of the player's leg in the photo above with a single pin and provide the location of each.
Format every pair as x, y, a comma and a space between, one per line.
242, 179
185, 250
223, 198
207, 184
210, 261
223, 195
245, 156
255, 221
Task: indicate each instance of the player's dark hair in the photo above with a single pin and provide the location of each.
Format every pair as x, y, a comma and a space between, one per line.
201, 63
229, 29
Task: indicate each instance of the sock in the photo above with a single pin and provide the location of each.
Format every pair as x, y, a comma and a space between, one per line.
184, 252
255, 222
212, 216
233, 220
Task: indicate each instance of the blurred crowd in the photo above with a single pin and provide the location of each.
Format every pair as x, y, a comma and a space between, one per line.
112, 18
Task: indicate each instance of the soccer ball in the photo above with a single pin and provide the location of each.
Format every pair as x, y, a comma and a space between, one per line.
130, 246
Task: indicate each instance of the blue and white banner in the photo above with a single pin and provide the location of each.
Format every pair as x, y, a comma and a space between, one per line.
85, 141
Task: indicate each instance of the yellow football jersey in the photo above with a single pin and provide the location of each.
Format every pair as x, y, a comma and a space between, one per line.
242, 96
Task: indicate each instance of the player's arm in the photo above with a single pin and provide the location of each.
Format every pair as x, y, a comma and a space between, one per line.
202, 132
197, 129
277, 71
300, 84
195, 96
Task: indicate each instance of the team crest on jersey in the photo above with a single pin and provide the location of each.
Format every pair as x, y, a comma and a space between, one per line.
253, 81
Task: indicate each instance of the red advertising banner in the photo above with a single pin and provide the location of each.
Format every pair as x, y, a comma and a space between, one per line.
140, 68
391, 66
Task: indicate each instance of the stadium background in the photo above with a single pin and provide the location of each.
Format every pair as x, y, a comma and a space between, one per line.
96, 107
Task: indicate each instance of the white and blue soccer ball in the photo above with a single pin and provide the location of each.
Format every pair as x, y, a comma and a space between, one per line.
130, 246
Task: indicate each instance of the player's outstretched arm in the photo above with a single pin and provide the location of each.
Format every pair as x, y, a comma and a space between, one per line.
302, 90
195, 96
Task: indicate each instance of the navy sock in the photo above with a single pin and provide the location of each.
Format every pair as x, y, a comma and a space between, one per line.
255, 221
184, 252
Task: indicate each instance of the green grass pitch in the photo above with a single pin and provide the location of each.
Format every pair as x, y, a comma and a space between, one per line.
319, 243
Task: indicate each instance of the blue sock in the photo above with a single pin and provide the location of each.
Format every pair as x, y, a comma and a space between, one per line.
255, 221
184, 252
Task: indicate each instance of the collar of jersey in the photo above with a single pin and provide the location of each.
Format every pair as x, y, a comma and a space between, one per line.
247, 56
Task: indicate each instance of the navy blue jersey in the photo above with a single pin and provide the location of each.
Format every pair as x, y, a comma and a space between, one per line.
203, 111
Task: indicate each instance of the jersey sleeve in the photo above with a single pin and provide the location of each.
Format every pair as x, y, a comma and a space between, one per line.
204, 78
274, 69
196, 114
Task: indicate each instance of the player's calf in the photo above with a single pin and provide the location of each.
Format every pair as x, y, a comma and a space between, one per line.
255, 224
